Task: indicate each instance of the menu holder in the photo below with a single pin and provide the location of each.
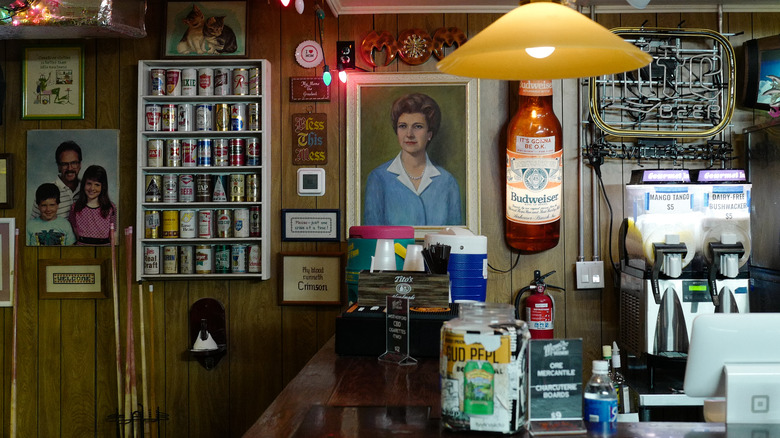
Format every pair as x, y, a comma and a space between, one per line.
397, 337
427, 290
555, 395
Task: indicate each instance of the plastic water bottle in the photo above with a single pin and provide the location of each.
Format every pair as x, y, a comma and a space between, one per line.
600, 408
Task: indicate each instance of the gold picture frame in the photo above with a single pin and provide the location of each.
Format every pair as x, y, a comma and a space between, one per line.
69, 279
6, 181
371, 140
53, 82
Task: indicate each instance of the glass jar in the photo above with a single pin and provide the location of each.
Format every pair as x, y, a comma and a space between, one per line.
484, 370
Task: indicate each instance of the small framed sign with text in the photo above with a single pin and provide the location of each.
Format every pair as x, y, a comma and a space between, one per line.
311, 225
312, 278
60, 278
309, 89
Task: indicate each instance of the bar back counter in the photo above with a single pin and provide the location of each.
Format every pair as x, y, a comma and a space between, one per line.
340, 396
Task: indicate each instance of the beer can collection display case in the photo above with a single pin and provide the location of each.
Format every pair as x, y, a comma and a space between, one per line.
203, 169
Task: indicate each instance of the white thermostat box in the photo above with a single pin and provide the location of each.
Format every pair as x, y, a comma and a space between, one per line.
311, 181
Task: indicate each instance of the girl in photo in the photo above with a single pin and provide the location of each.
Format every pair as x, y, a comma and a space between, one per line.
93, 212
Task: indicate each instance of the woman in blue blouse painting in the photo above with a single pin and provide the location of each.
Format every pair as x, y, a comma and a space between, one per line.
410, 189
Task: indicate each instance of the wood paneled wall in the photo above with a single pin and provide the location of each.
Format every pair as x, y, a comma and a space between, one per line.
66, 369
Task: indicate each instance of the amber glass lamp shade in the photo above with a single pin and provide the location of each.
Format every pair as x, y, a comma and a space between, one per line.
543, 40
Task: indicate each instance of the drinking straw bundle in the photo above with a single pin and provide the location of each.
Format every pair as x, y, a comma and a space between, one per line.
437, 257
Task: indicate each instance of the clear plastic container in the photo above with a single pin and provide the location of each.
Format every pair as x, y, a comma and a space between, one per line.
483, 360
600, 408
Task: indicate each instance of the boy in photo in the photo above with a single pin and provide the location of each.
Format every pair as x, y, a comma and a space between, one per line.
48, 229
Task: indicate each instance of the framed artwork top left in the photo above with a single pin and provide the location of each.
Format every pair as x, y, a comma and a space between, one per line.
205, 29
53, 82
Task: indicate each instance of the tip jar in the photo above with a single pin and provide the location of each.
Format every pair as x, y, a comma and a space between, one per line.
483, 369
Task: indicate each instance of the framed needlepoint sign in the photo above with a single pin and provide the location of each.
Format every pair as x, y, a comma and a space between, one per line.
59, 278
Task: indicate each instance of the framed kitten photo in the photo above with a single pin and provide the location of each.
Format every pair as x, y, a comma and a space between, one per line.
205, 29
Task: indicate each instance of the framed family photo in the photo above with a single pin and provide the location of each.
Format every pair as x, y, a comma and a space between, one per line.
72, 187
205, 29
412, 144
53, 82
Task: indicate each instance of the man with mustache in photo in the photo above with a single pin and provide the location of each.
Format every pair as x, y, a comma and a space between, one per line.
68, 158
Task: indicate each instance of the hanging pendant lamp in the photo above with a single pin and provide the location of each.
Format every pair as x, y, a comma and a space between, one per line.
543, 40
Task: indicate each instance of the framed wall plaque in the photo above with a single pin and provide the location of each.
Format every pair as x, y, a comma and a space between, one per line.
311, 278
60, 278
311, 225
308, 89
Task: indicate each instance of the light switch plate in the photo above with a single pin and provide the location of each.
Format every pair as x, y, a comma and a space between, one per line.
590, 275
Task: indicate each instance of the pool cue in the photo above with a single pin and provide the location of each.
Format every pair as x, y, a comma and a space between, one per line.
152, 395
144, 393
14, 291
117, 341
131, 396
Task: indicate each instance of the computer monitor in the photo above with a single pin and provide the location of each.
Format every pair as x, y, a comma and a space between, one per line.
737, 355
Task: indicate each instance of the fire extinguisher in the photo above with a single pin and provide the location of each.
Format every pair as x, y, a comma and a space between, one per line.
539, 309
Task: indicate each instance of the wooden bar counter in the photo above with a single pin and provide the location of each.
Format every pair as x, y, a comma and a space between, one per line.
335, 396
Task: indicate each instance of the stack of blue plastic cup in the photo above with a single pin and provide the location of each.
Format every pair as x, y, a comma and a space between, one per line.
467, 266
468, 276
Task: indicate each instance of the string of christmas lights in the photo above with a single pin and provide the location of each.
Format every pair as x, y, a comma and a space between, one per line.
33, 12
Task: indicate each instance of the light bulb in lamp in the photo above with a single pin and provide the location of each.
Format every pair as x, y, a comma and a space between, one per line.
285, 3
540, 52
582, 47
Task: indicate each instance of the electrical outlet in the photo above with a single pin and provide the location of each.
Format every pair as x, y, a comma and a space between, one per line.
345, 54
590, 275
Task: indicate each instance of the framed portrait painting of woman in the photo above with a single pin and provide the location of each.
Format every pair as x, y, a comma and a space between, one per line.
412, 151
